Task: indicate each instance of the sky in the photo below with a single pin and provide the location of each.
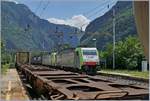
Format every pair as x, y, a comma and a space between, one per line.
78, 13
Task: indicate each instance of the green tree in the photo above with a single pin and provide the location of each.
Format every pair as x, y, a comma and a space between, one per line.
128, 53
5, 56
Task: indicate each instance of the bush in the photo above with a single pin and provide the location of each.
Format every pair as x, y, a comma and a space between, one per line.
4, 68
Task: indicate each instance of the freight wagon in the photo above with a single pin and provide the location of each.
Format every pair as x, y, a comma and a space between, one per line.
22, 58
49, 59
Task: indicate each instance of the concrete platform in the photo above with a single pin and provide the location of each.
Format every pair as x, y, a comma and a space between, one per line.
12, 87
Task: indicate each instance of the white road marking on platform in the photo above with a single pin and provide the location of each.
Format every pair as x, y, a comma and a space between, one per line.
8, 91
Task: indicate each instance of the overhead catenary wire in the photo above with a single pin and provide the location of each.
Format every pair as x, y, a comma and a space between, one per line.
28, 26
96, 9
44, 8
38, 7
93, 9
90, 13
95, 13
108, 6
101, 9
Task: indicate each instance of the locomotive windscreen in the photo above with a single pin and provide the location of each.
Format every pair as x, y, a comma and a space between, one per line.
90, 55
89, 52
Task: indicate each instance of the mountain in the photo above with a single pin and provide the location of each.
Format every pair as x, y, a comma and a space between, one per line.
102, 28
22, 30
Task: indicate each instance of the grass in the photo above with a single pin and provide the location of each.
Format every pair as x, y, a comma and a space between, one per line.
4, 68
133, 73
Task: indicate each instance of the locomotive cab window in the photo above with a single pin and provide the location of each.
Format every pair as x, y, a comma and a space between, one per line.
89, 52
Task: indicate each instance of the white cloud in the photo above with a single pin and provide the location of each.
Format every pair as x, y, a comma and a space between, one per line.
56, 21
11, 1
76, 21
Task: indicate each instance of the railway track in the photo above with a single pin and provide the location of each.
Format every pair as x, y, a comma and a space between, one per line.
55, 84
125, 79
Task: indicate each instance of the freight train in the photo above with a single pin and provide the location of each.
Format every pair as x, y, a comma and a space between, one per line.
82, 59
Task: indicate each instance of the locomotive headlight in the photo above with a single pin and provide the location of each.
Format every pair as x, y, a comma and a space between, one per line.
85, 60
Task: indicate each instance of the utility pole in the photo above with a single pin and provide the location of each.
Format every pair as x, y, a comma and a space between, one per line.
94, 42
43, 45
60, 35
114, 37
